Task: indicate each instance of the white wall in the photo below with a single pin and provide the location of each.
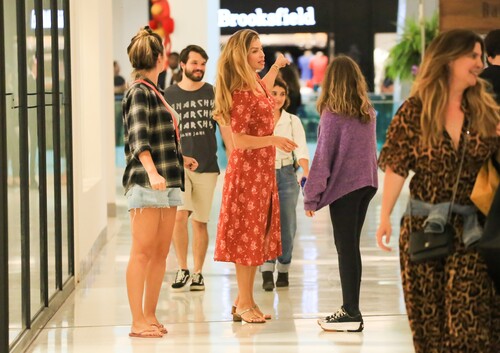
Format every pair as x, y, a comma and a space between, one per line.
128, 17
93, 120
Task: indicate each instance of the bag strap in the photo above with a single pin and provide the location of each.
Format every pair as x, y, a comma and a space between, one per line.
291, 126
169, 109
455, 187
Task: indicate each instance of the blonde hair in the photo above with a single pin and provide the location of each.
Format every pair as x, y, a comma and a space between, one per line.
143, 51
344, 90
233, 73
431, 87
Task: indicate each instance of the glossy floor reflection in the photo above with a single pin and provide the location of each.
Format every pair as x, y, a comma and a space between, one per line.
96, 317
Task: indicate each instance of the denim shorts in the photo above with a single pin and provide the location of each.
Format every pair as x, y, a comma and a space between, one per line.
141, 197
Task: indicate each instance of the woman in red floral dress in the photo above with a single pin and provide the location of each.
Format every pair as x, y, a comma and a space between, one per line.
248, 232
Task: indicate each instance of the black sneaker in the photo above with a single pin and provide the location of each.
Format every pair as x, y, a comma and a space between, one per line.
282, 280
180, 280
267, 281
197, 283
342, 321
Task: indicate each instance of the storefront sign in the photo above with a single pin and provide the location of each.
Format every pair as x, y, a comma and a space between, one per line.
477, 15
282, 17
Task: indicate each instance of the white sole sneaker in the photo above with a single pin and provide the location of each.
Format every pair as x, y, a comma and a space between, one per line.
184, 288
196, 288
355, 326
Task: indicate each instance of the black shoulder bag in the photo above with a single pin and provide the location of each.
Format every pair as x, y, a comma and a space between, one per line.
426, 246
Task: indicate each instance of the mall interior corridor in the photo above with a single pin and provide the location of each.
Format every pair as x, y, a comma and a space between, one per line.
96, 316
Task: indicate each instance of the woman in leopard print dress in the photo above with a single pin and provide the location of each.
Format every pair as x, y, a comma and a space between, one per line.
451, 303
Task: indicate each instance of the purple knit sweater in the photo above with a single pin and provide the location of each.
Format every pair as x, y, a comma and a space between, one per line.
345, 160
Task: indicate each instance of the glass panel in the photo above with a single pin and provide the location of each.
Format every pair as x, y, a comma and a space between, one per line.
14, 196
62, 120
34, 198
49, 147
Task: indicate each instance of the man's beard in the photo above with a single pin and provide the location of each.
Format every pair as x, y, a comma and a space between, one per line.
192, 77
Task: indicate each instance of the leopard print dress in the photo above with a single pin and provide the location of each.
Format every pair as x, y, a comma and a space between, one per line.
451, 304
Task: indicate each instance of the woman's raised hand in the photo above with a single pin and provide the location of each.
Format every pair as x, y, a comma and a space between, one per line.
281, 61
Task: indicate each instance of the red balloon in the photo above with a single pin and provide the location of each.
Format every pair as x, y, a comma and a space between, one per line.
161, 22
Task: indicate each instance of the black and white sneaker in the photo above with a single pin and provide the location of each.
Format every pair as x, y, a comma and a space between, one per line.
180, 281
197, 283
342, 321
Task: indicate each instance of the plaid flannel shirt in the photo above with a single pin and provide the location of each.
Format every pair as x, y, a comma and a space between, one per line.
148, 126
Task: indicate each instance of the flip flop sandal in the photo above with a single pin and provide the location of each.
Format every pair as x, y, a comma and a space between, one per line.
144, 334
160, 328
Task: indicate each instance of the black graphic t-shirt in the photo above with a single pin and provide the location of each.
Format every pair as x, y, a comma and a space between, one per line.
492, 74
196, 126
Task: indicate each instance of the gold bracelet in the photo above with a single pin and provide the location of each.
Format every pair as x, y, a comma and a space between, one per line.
277, 67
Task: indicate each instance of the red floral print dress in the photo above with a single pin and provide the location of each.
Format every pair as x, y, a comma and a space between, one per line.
249, 231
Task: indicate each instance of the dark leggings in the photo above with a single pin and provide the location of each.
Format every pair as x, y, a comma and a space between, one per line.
348, 215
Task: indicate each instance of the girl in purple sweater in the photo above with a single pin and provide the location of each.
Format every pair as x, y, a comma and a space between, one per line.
343, 175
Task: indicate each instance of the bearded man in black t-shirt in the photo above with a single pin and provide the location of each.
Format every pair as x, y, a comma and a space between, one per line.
192, 99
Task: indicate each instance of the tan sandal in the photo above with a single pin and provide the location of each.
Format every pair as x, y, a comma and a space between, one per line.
265, 316
236, 317
254, 320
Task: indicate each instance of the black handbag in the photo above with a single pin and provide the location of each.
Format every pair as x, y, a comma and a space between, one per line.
489, 244
426, 246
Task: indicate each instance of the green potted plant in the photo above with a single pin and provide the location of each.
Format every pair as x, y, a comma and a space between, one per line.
404, 58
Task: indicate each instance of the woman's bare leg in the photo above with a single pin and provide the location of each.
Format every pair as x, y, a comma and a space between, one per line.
245, 276
156, 268
144, 225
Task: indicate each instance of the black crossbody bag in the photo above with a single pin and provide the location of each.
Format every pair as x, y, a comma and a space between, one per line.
426, 246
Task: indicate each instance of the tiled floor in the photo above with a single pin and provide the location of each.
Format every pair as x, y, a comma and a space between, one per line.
96, 317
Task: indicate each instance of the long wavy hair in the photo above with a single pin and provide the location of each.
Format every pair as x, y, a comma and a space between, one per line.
431, 87
344, 90
233, 73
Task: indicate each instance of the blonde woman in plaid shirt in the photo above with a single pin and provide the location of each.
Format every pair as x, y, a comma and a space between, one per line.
152, 178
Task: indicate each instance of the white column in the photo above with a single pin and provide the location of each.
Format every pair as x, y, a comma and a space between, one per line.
93, 120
